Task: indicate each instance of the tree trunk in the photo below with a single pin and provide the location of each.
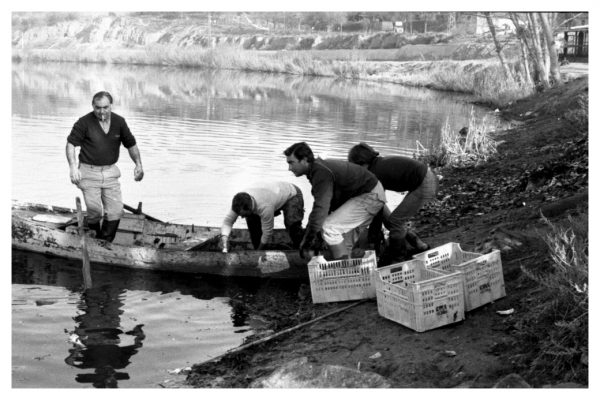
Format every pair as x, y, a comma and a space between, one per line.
552, 54
523, 46
505, 68
537, 46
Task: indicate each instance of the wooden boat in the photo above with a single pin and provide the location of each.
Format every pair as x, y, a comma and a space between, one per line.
145, 243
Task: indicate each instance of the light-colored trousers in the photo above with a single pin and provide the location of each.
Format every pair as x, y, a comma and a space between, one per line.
357, 212
101, 191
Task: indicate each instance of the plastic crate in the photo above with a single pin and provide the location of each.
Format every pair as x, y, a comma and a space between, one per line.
482, 273
418, 297
342, 280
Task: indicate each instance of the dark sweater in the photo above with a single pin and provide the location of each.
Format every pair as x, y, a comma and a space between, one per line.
333, 183
397, 173
97, 147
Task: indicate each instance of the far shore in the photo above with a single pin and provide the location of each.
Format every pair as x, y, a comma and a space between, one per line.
481, 78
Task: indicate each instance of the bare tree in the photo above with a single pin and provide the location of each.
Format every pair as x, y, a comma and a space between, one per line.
539, 54
552, 54
523, 46
492, 28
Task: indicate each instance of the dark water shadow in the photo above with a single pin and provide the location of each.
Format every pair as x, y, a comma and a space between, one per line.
97, 338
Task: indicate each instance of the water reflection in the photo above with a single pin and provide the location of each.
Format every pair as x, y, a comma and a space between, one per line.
97, 342
131, 326
206, 134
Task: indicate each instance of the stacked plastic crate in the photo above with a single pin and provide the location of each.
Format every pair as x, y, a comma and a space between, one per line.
434, 289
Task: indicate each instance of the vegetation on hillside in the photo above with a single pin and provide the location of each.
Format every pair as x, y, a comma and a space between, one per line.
554, 338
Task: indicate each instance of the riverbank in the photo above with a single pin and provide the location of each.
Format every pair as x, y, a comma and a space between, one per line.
541, 166
441, 61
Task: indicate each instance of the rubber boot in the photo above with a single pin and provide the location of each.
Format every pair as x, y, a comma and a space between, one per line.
95, 227
109, 230
397, 251
413, 239
338, 251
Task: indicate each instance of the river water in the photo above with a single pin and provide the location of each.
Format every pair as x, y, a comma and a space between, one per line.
203, 136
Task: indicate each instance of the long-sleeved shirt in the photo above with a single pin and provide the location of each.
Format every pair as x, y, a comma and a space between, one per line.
97, 147
397, 173
267, 199
333, 183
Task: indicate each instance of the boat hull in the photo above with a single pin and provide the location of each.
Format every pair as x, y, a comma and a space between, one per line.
143, 253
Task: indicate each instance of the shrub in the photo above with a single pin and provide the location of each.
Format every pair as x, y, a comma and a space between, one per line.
554, 334
470, 146
578, 117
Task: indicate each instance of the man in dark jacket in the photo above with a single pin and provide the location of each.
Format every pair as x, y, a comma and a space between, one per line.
400, 174
100, 134
346, 197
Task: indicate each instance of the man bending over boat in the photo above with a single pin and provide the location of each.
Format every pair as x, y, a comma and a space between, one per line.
400, 174
260, 205
346, 196
100, 134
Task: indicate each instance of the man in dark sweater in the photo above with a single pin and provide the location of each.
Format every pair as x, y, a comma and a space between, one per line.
100, 134
400, 174
346, 197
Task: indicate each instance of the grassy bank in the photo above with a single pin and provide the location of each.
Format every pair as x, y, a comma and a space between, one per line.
482, 78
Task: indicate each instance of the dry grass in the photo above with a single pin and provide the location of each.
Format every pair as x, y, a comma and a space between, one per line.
554, 333
483, 78
461, 149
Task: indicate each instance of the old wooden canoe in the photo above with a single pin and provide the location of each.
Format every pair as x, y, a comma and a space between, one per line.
147, 244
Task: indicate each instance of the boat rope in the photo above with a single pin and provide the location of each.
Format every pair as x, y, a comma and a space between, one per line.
277, 334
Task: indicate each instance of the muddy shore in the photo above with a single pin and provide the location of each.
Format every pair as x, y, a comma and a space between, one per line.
541, 167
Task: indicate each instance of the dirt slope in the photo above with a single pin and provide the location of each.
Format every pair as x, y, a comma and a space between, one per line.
542, 165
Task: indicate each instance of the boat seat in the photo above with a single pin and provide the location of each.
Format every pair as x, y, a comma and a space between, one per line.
59, 221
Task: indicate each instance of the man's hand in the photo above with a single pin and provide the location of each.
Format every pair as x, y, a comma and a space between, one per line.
138, 173
223, 244
75, 175
311, 245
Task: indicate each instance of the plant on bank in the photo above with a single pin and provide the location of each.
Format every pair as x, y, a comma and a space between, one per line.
553, 335
469, 146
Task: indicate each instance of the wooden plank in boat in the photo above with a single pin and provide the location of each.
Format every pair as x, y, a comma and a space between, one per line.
53, 219
133, 223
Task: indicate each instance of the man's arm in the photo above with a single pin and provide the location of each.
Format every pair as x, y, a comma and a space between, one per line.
228, 222
134, 153
267, 216
322, 191
73, 164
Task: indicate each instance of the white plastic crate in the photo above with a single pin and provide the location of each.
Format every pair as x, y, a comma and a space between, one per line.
482, 273
342, 280
419, 298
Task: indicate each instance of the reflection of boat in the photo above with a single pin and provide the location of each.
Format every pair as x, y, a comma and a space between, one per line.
144, 243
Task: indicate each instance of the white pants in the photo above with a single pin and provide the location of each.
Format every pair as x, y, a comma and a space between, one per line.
354, 213
101, 191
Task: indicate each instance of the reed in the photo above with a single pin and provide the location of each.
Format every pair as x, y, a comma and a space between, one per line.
483, 78
470, 146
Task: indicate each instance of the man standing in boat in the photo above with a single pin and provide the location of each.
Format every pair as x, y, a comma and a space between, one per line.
346, 196
259, 205
100, 134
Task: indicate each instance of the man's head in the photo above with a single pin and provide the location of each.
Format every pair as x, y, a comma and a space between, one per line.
299, 157
362, 154
102, 104
242, 204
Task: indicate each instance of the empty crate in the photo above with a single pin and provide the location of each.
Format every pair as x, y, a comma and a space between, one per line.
482, 273
342, 280
419, 298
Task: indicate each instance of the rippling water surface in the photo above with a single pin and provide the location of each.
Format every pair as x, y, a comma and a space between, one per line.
203, 137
